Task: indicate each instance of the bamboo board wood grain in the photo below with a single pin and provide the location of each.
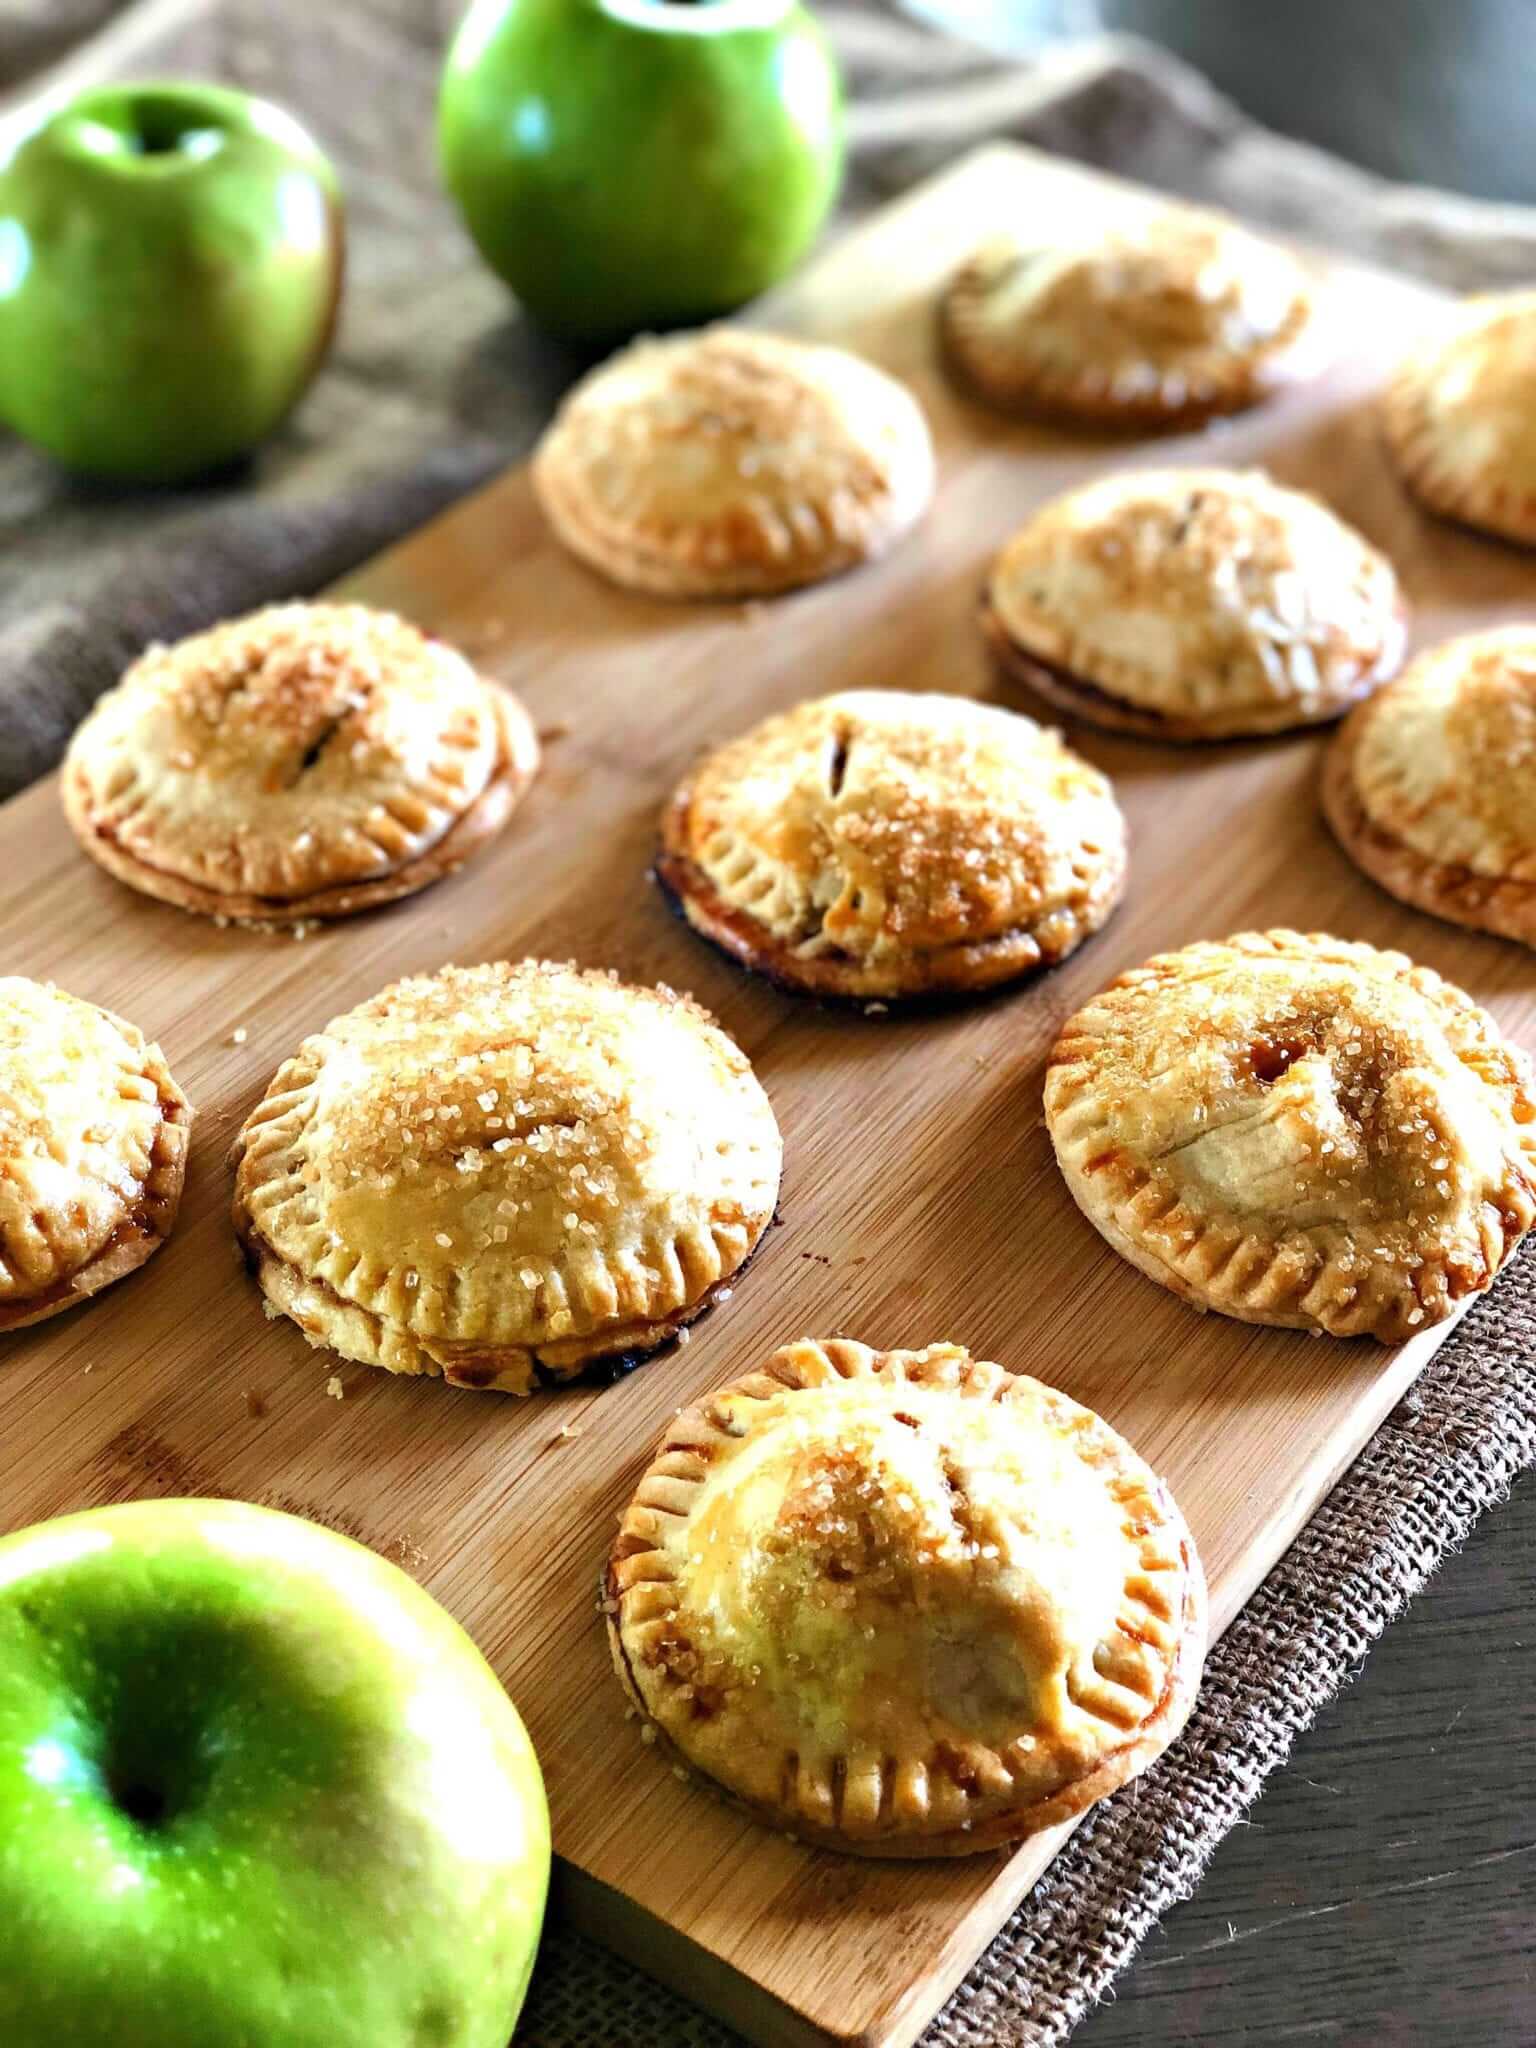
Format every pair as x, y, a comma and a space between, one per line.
920, 1199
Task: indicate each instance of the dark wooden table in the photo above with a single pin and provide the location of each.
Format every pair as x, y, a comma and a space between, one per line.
1384, 1888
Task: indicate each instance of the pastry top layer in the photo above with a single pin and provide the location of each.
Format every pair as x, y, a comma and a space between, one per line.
877, 820
1302, 1123
299, 748
512, 1156
1445, 758
1205, 592
1460, 414
1179, 310
730, 461
901, 1592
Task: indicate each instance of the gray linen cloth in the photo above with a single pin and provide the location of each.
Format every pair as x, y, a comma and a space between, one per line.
434, 384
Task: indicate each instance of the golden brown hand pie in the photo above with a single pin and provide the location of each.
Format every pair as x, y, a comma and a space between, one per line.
1294, 1129
305, 762
905, 1603
93, 1150
1193, 604
1460, 419
501, 1173
885, 844
1431, 784
733, 464
1161, 323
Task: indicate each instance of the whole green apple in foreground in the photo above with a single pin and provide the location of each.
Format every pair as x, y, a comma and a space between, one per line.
640, 163
257, 1790
170, 270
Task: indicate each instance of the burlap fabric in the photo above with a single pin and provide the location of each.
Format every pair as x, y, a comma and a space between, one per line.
434, 384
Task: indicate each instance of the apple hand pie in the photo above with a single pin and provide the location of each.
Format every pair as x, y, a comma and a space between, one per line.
1295, 1129
733, 464
1193, 604
1431, 784
308, 761
1159, 324
93, 1150
886, 844
501, 1173
904, 1603
1460, 422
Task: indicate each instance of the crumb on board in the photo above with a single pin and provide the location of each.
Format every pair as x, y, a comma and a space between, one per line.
570, 1429
238, 1036
334, 1387
255, 1405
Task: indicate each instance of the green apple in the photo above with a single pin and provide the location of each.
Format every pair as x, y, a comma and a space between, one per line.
257, 1790
626, 164
170, 271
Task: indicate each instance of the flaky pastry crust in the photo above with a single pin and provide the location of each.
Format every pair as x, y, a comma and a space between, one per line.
887, 844
904, 1603
93, 1150
733, 464
501, 1173
1299, 1130
1159, 324
1198, 604
308, 761
1430, 787
1459, 419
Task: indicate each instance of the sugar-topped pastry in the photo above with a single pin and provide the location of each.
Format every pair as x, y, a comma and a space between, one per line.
93, 1150
1460, 420
728, 463
1296, 1129
1160, 322
1431, 784
887, 844
904, 1603
499, 1174
307, 761
1193, 604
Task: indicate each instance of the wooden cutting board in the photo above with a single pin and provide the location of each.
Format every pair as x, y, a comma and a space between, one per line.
920, 1199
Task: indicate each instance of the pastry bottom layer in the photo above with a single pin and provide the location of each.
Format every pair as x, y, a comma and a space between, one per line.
330, 1322
516, 764
1077, 697
949, 971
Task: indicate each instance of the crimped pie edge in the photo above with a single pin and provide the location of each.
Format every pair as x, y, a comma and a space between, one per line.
1213, 384
1502, 905
146, 1227
268, 1155
515, 767
1253, 1282
696, 1434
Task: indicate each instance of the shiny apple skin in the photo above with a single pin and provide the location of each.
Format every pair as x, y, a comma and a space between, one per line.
171, 263
634, 164
257, 1790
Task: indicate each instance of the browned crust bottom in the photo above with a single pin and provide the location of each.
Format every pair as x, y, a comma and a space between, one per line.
1079, 399
947, 973
1003, 1830
141, 1234
506, 1369
1486, 903
516, 765
1074, 696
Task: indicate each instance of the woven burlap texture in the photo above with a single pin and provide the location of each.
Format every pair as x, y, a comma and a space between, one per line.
432, 387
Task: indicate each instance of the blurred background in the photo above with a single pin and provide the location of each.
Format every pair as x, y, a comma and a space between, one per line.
1437, 92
